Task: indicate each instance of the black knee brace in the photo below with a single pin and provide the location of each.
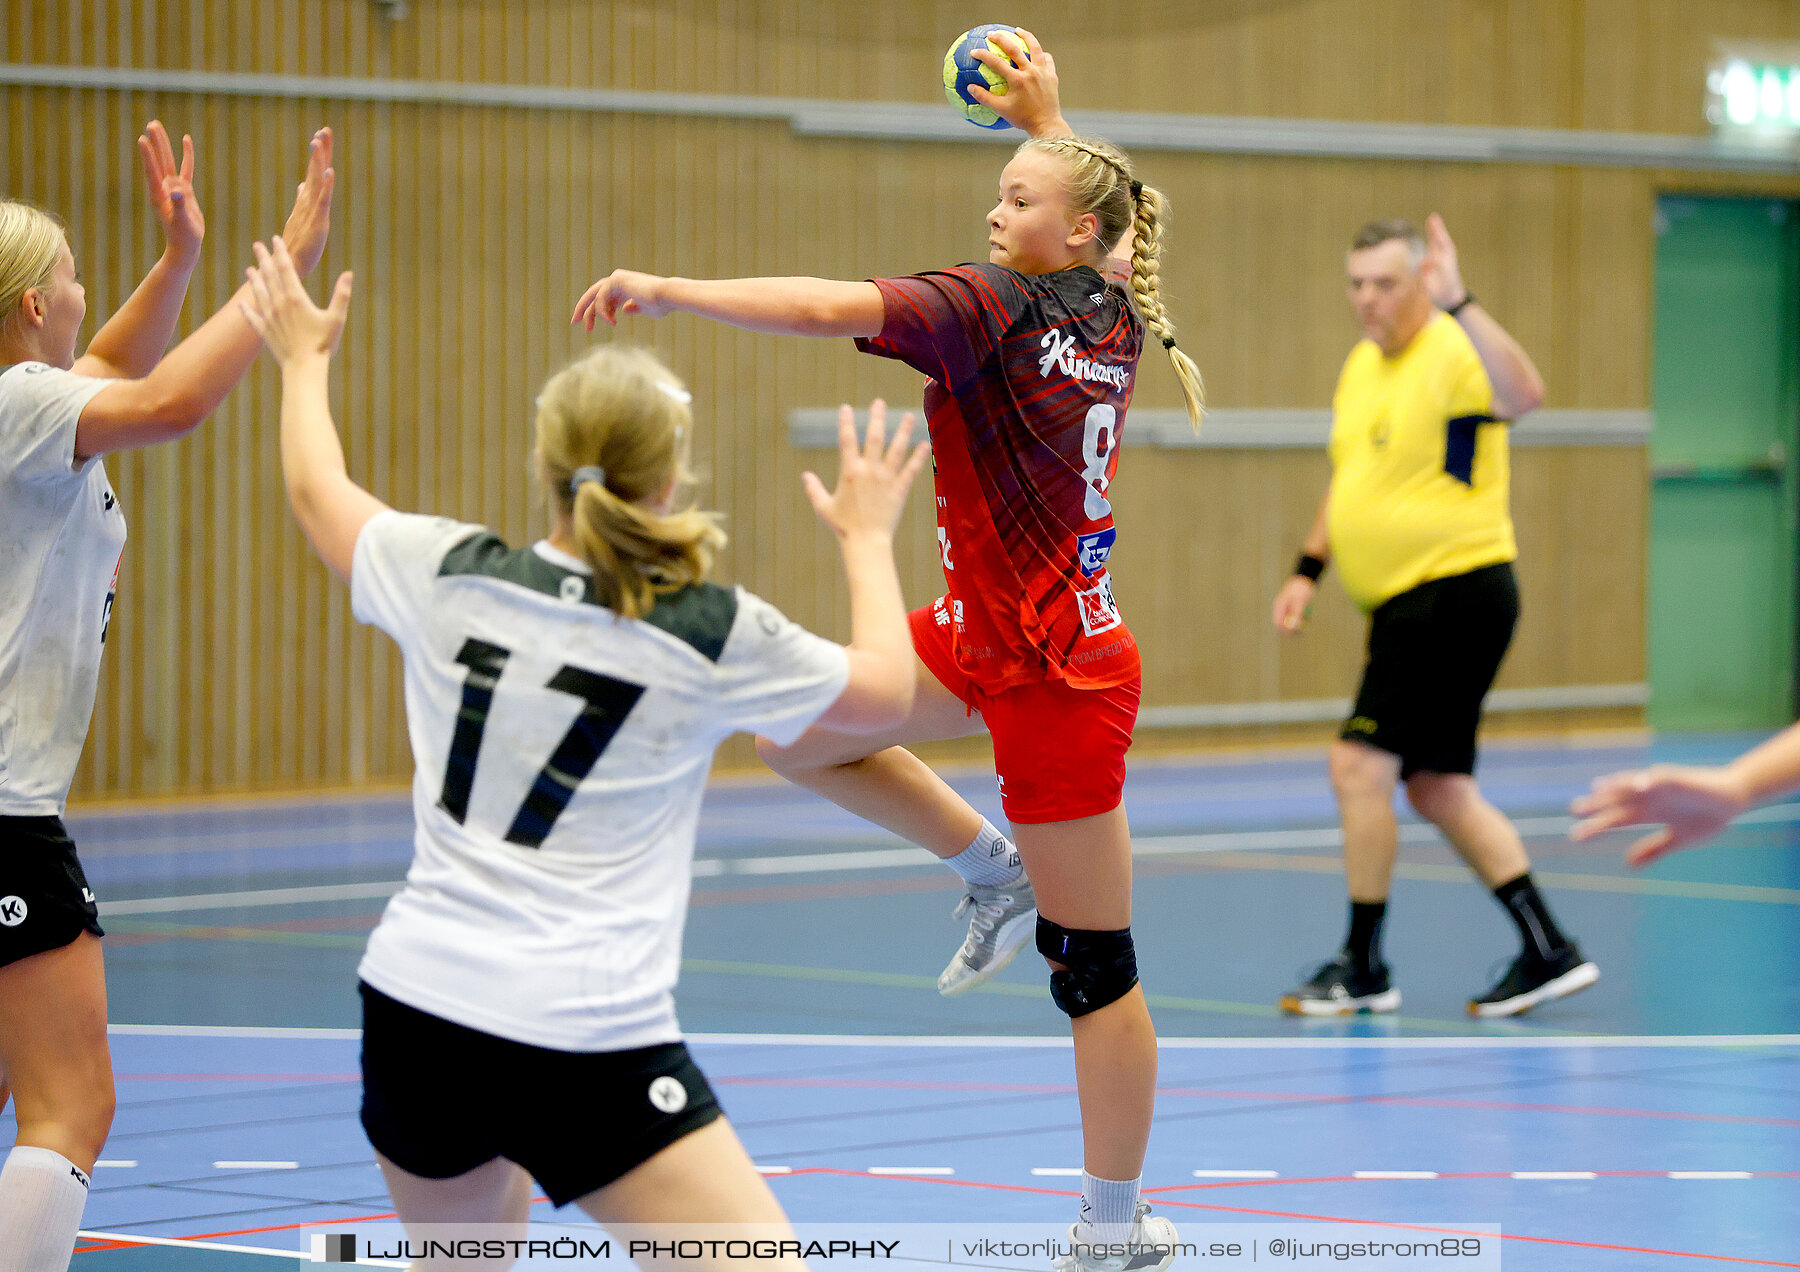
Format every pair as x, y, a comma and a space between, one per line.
1101, 967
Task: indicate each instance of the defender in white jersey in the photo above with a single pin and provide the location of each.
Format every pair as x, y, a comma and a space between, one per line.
563, 702
64, 536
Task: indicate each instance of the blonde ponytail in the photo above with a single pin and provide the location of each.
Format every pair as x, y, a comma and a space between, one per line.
613, 430
1101, 181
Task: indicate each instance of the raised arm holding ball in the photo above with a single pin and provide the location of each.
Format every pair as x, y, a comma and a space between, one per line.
1028, 643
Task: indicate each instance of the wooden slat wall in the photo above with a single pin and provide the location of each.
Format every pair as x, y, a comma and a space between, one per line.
235, 665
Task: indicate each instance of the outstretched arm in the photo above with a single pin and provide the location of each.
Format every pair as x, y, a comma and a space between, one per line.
871, 493
1518, 387
186, 386
1692, 804
331, 509
778, 306
135, 338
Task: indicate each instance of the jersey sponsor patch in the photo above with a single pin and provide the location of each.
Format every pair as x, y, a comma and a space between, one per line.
1099, 613
668, 1095
13, 911
1093, 550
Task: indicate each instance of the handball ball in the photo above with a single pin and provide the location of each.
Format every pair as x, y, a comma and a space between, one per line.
961, 70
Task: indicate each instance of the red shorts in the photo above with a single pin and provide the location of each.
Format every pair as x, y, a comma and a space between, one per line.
1059, 752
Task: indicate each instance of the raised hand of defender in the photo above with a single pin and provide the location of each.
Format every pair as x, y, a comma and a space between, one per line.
873, 476
1441, 273
309, 223
624, 291
171, 190
1032, 100
1692, 804
284, 315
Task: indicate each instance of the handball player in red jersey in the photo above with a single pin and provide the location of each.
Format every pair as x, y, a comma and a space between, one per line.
1031, 359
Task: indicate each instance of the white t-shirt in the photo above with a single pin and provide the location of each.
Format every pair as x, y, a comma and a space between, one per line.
62, 538
560, 755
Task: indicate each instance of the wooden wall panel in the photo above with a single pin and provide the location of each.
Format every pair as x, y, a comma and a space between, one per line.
235, 664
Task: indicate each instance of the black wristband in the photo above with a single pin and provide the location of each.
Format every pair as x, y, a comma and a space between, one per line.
1309, 567
1467, 300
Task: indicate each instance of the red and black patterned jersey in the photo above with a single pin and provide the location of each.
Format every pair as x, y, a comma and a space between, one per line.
1030, 377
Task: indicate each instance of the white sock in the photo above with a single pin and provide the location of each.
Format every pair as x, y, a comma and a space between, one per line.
41, 1198
989, 859
1108, 1209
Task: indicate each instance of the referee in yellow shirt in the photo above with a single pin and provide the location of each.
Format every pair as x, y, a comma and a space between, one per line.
1416, 520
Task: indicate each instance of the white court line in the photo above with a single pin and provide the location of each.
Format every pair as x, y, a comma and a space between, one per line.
1395, 1174
1710, 1174
912, 1170
1322, 837
1553, 1174
1237, 1174
266, 896
1063, 1171
1476, 1042
774, 1170
291, 1032
256, 1165
299, 1256
115, 1165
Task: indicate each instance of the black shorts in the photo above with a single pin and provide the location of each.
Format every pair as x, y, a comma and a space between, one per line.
440, 1099
1433, 654
45, 901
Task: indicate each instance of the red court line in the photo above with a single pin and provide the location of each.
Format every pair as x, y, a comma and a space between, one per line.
236, 1077
1443, 1174
1291, 1097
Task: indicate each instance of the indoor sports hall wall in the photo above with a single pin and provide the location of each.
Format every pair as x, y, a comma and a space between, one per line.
474, 217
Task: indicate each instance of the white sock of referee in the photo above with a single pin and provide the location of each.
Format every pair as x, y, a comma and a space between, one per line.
42, 1194
990, 858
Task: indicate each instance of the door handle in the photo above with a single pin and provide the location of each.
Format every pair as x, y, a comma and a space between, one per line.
1768, 468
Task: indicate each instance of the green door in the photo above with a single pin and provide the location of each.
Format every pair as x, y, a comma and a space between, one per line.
1726, 396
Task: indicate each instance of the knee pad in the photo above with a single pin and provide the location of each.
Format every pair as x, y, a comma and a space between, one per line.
1100, 967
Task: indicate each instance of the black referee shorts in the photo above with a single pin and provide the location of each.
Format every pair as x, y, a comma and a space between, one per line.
440, 1099
1433, 654
45, 901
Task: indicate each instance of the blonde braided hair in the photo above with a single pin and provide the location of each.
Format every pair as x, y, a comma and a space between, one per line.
1101, 181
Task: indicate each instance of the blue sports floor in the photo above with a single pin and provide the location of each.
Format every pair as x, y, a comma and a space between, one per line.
1650, 1122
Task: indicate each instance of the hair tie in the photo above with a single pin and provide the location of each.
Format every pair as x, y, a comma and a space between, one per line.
586, 473
1137, 189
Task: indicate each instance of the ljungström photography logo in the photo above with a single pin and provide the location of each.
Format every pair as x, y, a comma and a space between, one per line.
334, 1247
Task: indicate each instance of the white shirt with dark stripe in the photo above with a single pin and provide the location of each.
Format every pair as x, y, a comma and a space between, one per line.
62, 538
560, 757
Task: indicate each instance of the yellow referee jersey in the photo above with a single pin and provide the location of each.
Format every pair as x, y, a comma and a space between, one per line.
1419, 466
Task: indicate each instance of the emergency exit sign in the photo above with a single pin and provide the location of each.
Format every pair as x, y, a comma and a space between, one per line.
1755, 96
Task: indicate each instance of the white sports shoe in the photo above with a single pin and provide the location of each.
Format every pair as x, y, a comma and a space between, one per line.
1002, 917
1150, 1249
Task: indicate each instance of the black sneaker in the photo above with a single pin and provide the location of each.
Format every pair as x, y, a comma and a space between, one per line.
1341, 988
1532, 980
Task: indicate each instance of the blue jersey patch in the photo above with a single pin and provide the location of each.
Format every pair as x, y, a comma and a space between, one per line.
1092, 550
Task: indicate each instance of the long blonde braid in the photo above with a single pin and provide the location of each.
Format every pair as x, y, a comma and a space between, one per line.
1101, 182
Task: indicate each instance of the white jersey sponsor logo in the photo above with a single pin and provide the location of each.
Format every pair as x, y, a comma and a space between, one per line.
12, 911
1099, 613
1059, 358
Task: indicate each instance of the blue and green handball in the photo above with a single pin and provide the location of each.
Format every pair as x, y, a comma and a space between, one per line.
961, 71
